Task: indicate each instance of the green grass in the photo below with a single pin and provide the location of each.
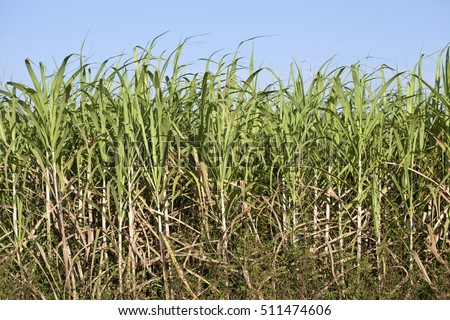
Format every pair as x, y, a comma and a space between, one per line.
137, 179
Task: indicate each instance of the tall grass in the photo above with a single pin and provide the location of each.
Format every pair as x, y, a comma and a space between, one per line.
138, 179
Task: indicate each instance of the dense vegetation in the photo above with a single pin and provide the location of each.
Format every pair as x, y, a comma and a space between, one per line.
140, 180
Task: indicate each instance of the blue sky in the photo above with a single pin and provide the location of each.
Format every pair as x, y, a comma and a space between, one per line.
393, 32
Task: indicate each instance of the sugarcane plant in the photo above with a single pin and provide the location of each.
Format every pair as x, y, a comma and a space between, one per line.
137, 178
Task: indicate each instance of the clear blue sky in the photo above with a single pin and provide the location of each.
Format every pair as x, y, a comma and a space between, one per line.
394, 32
